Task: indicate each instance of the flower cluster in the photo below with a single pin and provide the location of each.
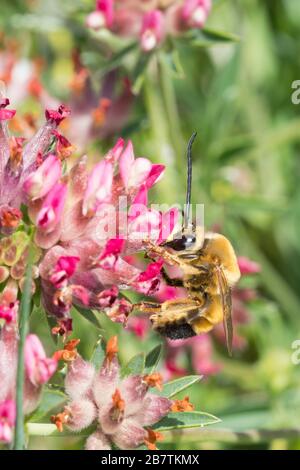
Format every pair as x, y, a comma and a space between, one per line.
38, 370
149, 20
121, 409
81, 223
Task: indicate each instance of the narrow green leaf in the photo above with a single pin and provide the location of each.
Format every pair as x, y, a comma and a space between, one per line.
186, 419
50, 399
135, 366
172, 388
98, 354
117, 58
209, 37
138, 74
89, 315
152, 359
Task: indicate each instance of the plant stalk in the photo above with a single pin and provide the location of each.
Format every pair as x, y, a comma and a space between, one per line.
19, 441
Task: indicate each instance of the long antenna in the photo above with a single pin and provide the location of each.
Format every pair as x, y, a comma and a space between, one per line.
189, 181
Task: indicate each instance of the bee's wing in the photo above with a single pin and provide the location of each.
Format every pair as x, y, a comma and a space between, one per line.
227, 308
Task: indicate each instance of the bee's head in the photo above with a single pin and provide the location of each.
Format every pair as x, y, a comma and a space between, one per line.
188, 240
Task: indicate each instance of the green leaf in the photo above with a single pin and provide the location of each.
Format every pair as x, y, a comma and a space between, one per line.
98, 354
152, 359
138, 74
89, 315
209, 37
50, 399
173, 63
117, 58
172, 388
186, 419
135, 366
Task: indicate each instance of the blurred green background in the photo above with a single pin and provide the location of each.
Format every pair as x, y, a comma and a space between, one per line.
237, 95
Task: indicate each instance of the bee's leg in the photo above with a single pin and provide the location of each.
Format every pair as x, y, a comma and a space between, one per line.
163, 253
148, 307
174, 282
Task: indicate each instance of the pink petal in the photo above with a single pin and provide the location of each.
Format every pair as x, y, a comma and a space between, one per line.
155, 408
133, 390
7, 420
107, 8
40, 182
115, 153
155, 175
32, 396
145, 226
153, 30
99, 187
52, 208
139, 172
9, 312
125, 163
247, 266
107, 297
6, 114
148, 282
83, 413
57, 116
39, 368
195, 12
110, 253
168, 222
97, 441
79, 378
106, 382
140, 199
129, 435
64, 269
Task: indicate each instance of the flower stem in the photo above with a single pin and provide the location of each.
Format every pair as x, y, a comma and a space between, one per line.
19, 441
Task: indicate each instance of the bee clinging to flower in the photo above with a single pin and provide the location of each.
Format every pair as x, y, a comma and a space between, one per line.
209, 271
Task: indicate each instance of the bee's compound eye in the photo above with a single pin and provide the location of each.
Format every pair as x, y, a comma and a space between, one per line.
181, 242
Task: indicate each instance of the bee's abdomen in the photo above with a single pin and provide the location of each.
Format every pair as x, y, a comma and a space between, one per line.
177, 331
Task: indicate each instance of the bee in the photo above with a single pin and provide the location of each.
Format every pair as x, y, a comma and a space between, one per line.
209, 271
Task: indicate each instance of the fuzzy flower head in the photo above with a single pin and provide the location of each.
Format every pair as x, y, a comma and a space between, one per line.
122, 409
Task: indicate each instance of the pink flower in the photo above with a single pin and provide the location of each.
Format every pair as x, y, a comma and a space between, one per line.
134, 172
98, 188
139, 326
201, 350
64, 269
102, 17
247, 266
39, 368
7, 420
57, 116
148, 281
6, 114
155, 175
9, 312
110, 253
152, 30
195, 12
42, 180
51, 211
121, 408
